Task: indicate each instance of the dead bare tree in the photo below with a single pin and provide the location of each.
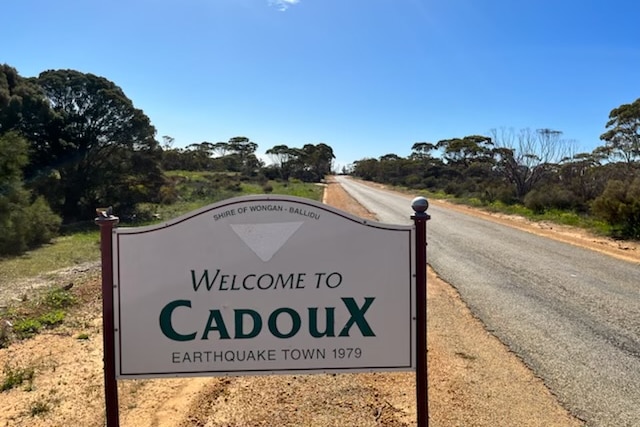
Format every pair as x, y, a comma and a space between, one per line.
525, 156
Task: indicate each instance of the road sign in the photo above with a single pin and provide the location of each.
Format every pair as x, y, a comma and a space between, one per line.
261, 285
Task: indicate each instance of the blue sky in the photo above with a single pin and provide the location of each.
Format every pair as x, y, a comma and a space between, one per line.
366, 77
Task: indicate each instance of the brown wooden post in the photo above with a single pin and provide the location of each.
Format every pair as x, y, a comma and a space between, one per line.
107, 222
420, 218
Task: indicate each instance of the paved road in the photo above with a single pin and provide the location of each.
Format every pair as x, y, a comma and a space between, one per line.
571, 314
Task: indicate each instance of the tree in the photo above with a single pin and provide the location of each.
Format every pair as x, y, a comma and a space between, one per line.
469, 166
462, 151
584, 177
167, 142
523, 158
367, 169
317, 160
23, 106
221, 149
422, 150
23, 222
282, 156
199, 156
245, 150
623, 137
100, 146
389, 157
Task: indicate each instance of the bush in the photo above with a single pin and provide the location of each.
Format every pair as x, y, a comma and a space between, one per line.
43, 224
52, 318
619, 206
57, 298
549, 198
23, 223
413, 181
26, 328
168, 194
38, 408
14, 377
235, 187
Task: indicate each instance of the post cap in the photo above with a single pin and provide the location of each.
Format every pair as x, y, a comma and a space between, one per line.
420, 204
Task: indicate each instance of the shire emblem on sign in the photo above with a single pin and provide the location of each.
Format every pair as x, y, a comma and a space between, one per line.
266, 239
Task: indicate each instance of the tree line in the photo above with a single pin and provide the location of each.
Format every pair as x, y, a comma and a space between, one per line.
309, 164
73, 141
537, 168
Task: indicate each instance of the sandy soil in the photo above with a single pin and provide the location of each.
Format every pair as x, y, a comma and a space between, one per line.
474, 380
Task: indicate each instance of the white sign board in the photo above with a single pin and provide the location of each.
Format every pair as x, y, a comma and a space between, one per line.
262, 285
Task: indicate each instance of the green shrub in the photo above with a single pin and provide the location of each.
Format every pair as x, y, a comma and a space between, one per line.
52, 318
168, 193
39, 407
619, 206
236, 187
26, 328
43, 223
23, 223
15, 377
59, 298
550, 198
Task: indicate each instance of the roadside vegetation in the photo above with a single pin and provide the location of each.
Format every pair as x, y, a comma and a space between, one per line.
534, 173
71, 142
49, 308
556, 216
38, 311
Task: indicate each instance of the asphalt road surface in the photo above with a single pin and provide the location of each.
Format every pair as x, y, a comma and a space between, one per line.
571, 314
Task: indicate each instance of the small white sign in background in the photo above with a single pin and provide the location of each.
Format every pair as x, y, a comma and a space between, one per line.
260, 285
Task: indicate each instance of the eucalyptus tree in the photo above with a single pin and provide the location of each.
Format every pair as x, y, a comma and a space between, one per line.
283, 158
367, 169
244, 150
466, 150
199, 156
100, 147
618, 204
422, 150
622, 139
221, 149
317, 161
469, 165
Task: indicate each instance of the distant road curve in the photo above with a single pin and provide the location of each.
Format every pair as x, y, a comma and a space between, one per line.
572, 314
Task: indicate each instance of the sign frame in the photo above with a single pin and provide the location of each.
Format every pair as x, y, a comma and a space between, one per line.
263, 226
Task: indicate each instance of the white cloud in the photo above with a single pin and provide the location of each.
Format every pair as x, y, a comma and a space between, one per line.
283, 5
